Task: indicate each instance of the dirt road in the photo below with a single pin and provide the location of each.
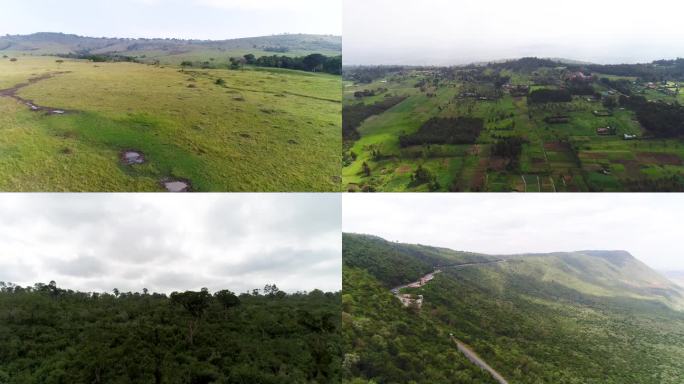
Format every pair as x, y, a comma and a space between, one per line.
427, 278
12, 92
462, 347
475, 359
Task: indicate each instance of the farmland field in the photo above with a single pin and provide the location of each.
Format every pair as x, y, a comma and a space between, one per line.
547, 127
69, 124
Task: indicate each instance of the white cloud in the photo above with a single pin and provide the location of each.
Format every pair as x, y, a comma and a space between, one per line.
169, 242
270, 5
197, 19
456, 32
647, 225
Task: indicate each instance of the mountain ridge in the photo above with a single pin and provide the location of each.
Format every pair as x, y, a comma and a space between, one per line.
605, 273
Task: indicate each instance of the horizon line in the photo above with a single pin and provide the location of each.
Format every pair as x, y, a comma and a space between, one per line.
167, 38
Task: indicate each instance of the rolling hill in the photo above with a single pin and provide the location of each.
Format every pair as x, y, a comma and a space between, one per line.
394, 263
170, 51
67, 43
566, 317
676, 277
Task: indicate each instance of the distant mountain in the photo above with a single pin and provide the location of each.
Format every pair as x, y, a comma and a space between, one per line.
676, 277
599, 273
570, 61
59, 43
567, 317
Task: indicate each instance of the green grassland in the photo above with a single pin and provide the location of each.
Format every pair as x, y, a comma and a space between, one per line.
581, 317
555, 157
258, 130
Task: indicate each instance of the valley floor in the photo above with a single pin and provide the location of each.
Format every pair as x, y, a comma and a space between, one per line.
571, 154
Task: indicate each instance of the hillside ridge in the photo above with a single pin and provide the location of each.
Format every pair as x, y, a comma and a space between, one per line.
61, 43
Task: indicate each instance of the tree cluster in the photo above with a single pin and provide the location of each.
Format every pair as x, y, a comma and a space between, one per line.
437, 130
660, 119
353, 115
311, 63
549, 96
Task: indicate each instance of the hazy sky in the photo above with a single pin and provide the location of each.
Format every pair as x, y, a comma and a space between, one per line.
200, 19
444, 32
647, 225
166, 242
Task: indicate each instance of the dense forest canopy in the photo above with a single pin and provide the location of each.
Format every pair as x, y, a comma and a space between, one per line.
394, 264
53, 335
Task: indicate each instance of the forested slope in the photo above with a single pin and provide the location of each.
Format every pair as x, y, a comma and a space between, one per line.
388, 344
393, 263
589, 317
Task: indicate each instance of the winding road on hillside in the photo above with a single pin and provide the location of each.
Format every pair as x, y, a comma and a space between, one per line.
477, 360
438, 269
462, 347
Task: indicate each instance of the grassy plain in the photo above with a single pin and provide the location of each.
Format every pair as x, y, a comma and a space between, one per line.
260, 130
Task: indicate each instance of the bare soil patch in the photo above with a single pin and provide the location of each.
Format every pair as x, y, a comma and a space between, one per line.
556, 146
498, 163
403, 170
177, 185
131, 157
658, 158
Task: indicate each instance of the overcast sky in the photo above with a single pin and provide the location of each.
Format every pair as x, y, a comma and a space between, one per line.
199, 19
167, 242
442, 32
647, 225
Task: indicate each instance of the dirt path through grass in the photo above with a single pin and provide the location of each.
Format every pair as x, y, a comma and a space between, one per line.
12, 92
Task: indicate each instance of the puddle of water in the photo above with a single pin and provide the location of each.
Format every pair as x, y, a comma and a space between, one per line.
177, 186
133, 157
58, 112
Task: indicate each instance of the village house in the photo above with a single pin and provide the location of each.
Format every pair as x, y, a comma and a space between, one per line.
409, 300
579, 76
605, 131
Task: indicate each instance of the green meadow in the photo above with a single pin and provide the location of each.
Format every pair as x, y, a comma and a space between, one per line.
252, 129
